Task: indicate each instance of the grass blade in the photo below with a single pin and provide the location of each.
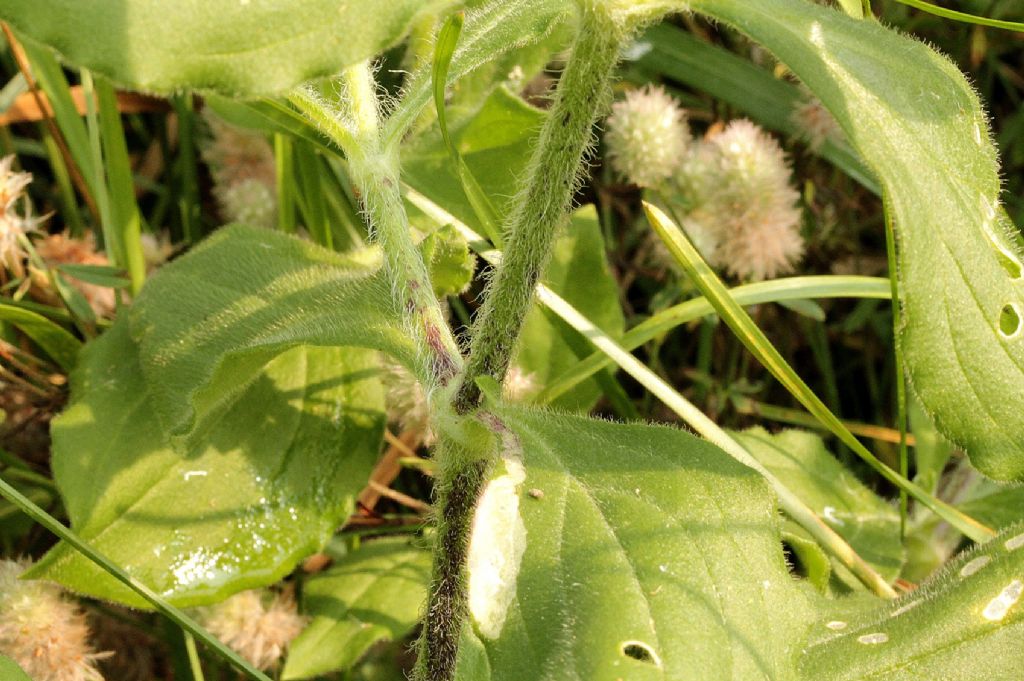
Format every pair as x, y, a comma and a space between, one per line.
775, 291
758, 344
962, 16
174, 614
124, 210
444, 50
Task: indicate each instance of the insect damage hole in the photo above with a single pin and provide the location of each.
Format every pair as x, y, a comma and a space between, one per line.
641, 652
1010, 321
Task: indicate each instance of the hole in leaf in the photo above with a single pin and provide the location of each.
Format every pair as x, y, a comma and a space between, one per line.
1009, 321
640, 652
1009, 264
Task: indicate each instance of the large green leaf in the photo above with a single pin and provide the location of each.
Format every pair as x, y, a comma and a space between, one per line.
262, 489
491, 30
965, 625
918, 125
233, 47
605, 551
208, 323
373, 594
578, 272
861, 517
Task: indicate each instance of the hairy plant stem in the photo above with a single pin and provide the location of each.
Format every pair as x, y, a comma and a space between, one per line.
356, 129
544, 200
460, 482
541, 205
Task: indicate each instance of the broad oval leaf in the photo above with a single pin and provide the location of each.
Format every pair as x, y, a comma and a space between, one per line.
374, 594
916, 122
240, 48
869, 523
967, 624
207, 323
263, 488
605, 551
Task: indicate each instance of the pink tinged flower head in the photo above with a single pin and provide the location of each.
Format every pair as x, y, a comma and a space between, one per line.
647, 136
41, 630
257, 625
748, 203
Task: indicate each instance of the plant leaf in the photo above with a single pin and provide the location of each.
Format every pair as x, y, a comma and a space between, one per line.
207, 323
578, 272
967, 624
56, 341
918, 125
495, 145
264, 487
100, 275
857, 514
450, 261
373, 594
491, 30
239, 49
605, 551
10, 670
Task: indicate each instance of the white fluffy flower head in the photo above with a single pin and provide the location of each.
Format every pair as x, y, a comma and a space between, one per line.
647, 136
739, 183
42, 631
256, 625
12, 223
247, 201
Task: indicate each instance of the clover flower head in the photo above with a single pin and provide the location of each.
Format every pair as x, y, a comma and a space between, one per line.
14, 224
743, 199
244, 172
647, 136
247, 201
257, 625
815, 123
45, 633
63, 249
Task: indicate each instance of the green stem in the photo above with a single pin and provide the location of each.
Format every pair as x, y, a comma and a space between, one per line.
901, 381
545, 198
460, 482
193, 658
375, 172
111, 242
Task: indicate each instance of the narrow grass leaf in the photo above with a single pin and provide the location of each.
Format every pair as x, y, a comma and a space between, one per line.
758, 344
